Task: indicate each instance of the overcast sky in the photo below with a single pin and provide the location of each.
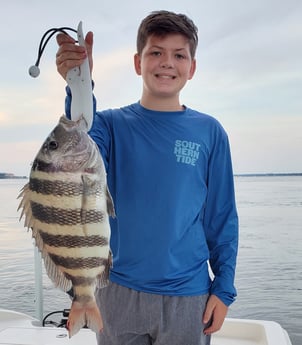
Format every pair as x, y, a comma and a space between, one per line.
249, 73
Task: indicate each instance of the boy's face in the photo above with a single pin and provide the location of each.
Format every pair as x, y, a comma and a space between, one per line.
165, 65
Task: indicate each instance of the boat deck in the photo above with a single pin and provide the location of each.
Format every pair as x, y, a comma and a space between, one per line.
20, 329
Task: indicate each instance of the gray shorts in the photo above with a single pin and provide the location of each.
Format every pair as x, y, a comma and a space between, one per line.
136, 318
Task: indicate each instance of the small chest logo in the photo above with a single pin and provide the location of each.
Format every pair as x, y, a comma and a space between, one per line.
186, 152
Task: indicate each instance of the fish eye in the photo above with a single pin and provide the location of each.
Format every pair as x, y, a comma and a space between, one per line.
53, 145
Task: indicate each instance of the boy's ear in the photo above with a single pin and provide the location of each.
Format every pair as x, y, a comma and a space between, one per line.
193, 69
137, 64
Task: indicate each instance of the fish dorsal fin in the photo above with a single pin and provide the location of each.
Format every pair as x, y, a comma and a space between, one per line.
103, 278
52, 270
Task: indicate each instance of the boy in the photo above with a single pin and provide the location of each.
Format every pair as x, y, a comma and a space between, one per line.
170, 175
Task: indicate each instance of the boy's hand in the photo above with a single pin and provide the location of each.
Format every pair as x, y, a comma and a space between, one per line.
71, 55
215, 312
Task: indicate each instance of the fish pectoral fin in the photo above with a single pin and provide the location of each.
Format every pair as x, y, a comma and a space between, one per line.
88, 185
110, 205
81, 315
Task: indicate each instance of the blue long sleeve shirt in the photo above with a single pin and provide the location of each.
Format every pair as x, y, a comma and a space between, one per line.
170, 176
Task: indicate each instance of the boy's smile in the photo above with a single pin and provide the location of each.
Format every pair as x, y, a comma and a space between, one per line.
165, 65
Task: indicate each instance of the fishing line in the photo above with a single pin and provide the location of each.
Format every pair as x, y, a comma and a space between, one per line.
34, 70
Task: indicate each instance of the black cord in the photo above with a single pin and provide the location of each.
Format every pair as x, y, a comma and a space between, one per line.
64, 312
50, 32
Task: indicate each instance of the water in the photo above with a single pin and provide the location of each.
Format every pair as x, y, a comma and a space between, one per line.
269, 271
17, 259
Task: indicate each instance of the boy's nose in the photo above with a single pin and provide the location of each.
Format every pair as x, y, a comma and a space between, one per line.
166, 62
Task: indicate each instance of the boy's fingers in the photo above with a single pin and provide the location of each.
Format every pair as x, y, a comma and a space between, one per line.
64, 38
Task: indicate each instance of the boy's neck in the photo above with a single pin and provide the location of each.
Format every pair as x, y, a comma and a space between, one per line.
161, 104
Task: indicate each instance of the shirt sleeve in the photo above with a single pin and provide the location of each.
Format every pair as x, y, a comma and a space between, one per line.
221, 220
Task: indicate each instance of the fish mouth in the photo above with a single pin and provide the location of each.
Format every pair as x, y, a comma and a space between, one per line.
64, 120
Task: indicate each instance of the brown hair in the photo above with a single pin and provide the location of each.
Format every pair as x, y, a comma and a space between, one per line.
162, 23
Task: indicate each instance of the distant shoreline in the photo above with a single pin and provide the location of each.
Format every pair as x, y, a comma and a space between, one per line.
8, 176
268, 174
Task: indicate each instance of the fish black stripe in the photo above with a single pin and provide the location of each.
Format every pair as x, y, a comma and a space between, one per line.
56, 187
39, 165
78, 280
77, 263
62, 188
70, 241
61, 216
83, 299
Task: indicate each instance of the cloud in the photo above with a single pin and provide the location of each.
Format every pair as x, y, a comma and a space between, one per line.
249, 72
116, 83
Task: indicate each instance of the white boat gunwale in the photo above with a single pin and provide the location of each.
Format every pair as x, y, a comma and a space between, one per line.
17, 328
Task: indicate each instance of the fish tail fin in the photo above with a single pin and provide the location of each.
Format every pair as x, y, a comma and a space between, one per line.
82, 315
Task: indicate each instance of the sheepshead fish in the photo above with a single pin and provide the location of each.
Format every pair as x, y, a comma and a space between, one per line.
67, 205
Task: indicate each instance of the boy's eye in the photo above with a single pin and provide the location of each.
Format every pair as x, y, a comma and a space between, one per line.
156, 53
180, 56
